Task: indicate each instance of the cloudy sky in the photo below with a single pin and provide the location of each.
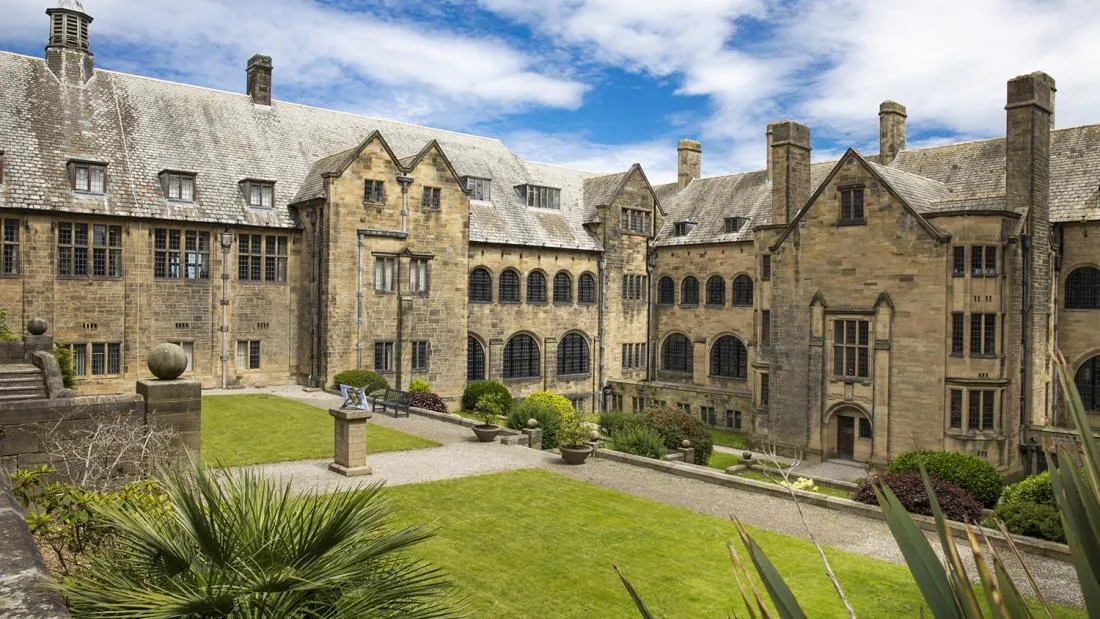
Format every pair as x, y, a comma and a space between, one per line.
600, 84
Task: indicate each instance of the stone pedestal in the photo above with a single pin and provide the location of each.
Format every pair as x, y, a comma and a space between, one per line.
689, 454
34, 343
176, 404
350, 442
534, 437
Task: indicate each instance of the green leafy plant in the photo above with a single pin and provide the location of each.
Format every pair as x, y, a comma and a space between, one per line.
573, 433
640, 440
489, 408
1031, 519
242, 545
420, 386
972, 474
1035, 489
371, 381
912, 493
546, 398
478, 388
548, 417
675, 426
611, 422
64, 358
5, 332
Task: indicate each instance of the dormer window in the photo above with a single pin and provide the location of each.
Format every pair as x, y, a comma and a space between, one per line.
257, 193
734, 224
178, 186
682, 228
479, 188
88, 177
542, 197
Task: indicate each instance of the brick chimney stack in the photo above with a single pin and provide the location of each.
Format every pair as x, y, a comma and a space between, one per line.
789, 163
259, 79
891, 131
689, 156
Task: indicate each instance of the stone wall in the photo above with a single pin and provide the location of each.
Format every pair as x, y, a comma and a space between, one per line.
24, 590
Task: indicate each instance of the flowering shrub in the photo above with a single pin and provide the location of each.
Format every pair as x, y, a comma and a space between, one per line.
802, 483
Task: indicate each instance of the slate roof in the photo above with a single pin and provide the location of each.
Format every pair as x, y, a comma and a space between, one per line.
141, 126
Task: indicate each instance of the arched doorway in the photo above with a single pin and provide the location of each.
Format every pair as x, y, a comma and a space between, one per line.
849, 434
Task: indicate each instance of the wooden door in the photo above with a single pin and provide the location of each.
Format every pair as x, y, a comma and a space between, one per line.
845, 436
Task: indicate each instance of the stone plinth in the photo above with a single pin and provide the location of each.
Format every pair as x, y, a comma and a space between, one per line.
35, 343
688, 453
176, 404
350, 442
534, 437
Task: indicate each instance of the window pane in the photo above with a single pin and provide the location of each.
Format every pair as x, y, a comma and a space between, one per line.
97, 179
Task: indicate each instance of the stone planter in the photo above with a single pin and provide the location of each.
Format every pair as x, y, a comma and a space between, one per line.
486, 432
574, 455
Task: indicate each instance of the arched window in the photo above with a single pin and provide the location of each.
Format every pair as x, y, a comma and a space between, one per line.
573, 355
521, 357
509, 287
716, 291
1088, 384
586, 289
729, 358
666, 291
480, 286
689, 291
742, 290
1083, 289
563, 288
676, 354
475, 359
536, 287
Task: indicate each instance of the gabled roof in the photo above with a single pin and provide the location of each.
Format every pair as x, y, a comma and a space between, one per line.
602, 191
313, 186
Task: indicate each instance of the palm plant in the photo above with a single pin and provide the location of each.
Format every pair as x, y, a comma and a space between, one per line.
946, 586
241, 545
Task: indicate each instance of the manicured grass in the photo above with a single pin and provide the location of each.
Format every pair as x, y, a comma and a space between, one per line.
255, 428
720, 460
728, 438
533, 544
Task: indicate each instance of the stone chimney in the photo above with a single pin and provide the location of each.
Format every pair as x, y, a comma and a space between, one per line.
259, 79
789, 162
68, 52
768, 151
1029, 112
689, 156
891, 131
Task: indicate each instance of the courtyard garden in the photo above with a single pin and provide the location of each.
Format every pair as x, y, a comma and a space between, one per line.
256, 428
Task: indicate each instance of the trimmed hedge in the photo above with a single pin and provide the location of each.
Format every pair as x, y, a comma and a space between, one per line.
640, 440
427, 401
420, 386
361, 378
1035, 489
549, 419
478, 388
956, 503
675, 425
546, 398
974, 475
1030, 519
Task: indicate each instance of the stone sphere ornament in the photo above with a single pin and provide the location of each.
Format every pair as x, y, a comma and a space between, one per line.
594, 435
532, 423
685, 444
167, 361
36, 326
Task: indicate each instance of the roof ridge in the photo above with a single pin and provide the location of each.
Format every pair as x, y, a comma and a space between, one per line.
562, 166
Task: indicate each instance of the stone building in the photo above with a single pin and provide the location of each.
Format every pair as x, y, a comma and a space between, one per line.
853, 308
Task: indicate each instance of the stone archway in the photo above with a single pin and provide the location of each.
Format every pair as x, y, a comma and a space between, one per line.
848, 433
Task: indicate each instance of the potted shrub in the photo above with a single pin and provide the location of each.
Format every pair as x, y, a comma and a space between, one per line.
572, 439
488, 408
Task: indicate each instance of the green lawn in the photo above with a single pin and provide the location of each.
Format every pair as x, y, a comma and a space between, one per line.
774, 478
255, 428
719, 460
728, 438
533, 544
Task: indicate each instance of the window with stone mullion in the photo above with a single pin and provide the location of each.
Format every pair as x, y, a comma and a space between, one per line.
851, 348
10, 264
573, 355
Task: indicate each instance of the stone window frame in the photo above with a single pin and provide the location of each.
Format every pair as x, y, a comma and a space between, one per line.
677, 354
385, 361
387, 271
662, 282
983, 334
1087, 381
85, 365
852, 209
851, 342
981, 411
258, 189
682, 228
191, 253
635, 288
521, 349
101, 259
708, 415
420, 275
958, 261
188, 347
739, 297
431, 198
586, 289
421, 352
374, 191
764, 398
955, 397
574, 356
733, 225
563, 288
729, 352
475, 360
634, 356
90, 170
635, 221
536, 291
958, 334
263, 258
181, 179
692, 299
253, 355
479, 188
766, 267
983, 260
1082, 287
505, 280
714, 292
11, 242
475, 289
542, 196
765, 327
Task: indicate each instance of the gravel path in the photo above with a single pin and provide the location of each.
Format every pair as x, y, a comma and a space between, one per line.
462, 456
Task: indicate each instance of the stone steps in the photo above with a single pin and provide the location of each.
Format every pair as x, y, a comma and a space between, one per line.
21, 381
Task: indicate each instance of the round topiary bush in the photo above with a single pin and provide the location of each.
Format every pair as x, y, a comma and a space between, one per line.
549, 419
974, 475
561, 403
361, 378
1030, 519
478, 388
428, 401
956, 503
640, 440
420, 386
1035, 489
675, 425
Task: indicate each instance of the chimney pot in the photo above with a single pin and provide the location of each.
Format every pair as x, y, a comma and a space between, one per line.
259, 79
689, 155
891, 131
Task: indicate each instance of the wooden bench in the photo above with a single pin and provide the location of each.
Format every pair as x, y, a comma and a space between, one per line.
393, 399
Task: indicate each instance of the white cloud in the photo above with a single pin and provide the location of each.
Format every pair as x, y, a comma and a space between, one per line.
576, 150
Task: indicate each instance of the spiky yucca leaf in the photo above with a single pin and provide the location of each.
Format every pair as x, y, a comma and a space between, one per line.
782, 597
241, 545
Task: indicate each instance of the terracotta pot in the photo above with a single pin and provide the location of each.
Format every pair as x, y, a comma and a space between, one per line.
574, 455
486, 432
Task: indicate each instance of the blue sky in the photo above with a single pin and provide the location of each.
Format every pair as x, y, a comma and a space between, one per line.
601, 84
